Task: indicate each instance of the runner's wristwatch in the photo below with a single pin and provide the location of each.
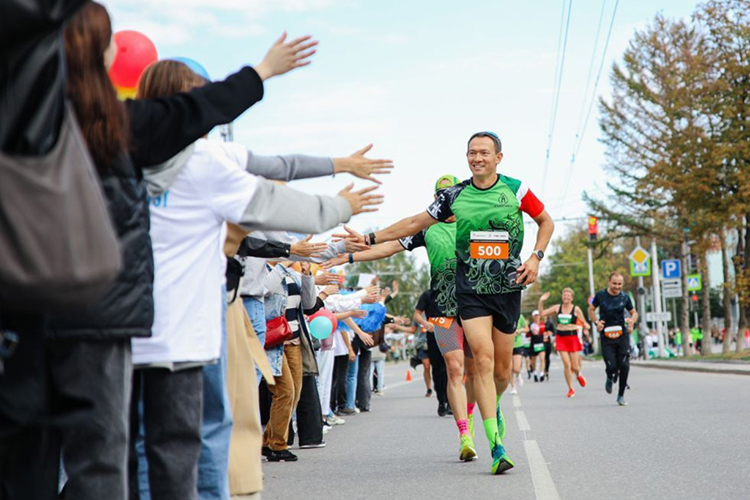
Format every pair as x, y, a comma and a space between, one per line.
539, 254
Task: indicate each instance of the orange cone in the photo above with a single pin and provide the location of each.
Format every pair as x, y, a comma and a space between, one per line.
408, 376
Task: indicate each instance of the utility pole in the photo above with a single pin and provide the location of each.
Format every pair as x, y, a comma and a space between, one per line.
657, 296
642, 303
593, 233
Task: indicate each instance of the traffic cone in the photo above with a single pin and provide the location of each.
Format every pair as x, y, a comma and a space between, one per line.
408, 375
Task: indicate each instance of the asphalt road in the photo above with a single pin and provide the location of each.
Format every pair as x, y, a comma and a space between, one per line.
684, 435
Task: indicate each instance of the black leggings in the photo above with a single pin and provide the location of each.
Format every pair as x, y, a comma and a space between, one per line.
547, 355
617, 359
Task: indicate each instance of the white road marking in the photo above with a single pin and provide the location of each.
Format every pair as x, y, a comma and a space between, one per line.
516, 402
523, 423
544, 486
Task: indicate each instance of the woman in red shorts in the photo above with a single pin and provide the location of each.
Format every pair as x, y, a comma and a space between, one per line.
569, 319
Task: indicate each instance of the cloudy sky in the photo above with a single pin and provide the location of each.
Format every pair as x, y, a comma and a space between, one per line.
416, 78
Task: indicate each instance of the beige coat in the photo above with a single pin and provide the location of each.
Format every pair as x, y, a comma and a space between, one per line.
244, 352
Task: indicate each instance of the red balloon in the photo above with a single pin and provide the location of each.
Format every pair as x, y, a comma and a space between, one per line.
134, 53
328, 314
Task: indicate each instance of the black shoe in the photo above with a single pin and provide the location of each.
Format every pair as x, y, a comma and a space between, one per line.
364, 410
614, 378
536, 378
347, 411
441, 410
428, 394
265, 451
448, 409
528, 373
281, 456
608, 386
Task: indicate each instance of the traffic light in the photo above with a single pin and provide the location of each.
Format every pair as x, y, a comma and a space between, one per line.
593, 228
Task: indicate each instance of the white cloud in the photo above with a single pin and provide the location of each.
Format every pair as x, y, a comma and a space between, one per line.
175, 22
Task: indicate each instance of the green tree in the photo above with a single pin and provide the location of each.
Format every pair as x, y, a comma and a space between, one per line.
727, 27
659, 128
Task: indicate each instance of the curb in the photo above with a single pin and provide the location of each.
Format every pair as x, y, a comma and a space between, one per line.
703, 369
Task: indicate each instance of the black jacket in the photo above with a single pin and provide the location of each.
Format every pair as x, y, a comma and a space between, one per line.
161, 128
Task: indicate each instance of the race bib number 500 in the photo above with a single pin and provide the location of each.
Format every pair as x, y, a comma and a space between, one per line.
489, 245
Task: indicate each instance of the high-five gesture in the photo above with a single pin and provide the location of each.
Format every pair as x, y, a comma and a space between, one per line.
361, 201
360, 166
284, 56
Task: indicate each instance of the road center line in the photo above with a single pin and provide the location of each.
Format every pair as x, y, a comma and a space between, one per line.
544, 486
523, 423
516, 402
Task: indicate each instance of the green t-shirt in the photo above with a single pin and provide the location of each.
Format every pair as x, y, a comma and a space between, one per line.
495, 209
696, 334
519, 341
440, 242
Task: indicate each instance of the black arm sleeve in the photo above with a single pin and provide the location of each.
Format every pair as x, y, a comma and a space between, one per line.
388, 299
317, 307
161, 128
255, 247
32, 73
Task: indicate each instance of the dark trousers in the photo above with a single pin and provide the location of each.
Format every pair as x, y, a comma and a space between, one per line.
64, 396
338, 382
364, 384
309, 421
547, 355
172, 411
616, 354
439, 373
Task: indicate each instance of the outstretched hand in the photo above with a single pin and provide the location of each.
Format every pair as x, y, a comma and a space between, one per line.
285, 56
361, 201
304, 248
352, 235
335, 261
360, 166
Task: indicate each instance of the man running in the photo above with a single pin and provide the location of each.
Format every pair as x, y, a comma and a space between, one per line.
489, 274
567, 343
440, 242
613, 325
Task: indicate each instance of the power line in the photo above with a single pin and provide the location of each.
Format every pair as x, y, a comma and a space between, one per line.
579, 137
585, 95
556, 89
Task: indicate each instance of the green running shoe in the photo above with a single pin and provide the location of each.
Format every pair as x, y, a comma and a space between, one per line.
500, 460
471, 425
501, 430
467, 452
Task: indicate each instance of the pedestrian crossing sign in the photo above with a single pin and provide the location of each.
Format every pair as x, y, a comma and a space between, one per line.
694, 283
640, 262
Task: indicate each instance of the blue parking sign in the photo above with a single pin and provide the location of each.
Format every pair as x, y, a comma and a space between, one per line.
671, 269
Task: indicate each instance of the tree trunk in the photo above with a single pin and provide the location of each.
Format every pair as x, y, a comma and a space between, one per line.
707, 342
685, 319
745, 239
726, 292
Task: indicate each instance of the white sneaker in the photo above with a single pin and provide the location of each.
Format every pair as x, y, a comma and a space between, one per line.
513, 391
356, 410
334, 420
380, 393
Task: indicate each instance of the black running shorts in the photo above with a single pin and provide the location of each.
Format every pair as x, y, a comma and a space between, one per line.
505, 309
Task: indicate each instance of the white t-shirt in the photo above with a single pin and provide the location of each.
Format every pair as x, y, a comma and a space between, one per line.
187, 233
